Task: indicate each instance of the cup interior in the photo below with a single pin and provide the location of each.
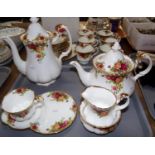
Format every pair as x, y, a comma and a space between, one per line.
99, 97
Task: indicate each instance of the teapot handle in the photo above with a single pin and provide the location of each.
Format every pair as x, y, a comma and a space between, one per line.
64, 28
125, 105
141, 56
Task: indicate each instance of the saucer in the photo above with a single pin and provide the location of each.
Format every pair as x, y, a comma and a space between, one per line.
58, 113
5, 117
94, 119
97, 130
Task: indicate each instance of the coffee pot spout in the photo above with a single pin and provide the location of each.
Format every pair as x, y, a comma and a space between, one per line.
21, 65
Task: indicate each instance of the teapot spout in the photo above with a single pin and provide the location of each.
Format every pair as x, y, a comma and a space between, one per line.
21, 65
84, 75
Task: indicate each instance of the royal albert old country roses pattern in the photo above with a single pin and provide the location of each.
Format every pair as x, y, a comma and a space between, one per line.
59, 111
37, 46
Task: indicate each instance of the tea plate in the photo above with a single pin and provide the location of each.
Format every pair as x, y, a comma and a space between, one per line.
91, 117
7, 119
58, 113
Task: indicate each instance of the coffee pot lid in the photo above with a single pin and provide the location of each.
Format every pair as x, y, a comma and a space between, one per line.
35, 29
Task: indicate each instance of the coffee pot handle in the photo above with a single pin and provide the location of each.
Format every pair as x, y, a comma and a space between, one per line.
141, 56
60, 28
125, 105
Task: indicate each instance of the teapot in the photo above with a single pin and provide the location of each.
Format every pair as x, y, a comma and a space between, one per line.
112, 70
41, 65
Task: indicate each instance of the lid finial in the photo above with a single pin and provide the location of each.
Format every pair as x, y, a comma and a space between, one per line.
34, 19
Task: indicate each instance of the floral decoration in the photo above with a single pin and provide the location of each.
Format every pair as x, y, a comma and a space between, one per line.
60, 125
121, 67
11, 120
117, 82
34, 126
37, 45
84, 55
100, 67
58, 96
20, 91
74, 108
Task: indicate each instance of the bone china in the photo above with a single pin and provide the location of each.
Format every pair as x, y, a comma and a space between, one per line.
20, 104
112, 70
58, 113
102, 99
39, 52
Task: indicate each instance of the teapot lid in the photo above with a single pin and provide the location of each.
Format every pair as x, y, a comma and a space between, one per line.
113, 62
35, 29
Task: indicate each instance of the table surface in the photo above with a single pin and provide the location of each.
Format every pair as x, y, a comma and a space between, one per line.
14, 74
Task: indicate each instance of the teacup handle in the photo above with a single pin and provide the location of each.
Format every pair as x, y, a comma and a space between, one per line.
38, 102
125, 105
141, 56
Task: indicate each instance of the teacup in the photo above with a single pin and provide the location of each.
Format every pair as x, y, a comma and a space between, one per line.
84, 53
85, 32
21, 103
104, 34
103, 100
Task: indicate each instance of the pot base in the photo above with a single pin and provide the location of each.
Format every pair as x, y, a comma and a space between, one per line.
46, 84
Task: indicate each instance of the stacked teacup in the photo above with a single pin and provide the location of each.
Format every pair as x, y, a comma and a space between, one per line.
100, 110
86, 46
21, 108
107, 39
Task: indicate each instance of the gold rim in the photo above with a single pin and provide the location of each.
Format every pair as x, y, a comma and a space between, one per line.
99, 127
112, 73
74, 103
101, 109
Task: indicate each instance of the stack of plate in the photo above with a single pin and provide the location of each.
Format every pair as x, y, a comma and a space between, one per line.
5, 54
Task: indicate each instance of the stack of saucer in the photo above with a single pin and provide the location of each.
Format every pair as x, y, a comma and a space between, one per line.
21, 108
5, 52
99, 111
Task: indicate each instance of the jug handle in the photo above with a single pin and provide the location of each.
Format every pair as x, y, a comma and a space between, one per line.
125, 105
141, 56
63, 54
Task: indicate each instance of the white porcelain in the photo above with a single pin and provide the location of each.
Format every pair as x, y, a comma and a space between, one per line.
93, 118
18, 100
110, 41
87, 40
105, 48
28, 113
111, 73
84, 53
85, 32
102, 99
84, 49
97, 130
105, 33
58, 113
10, 32
5, 117
39, 53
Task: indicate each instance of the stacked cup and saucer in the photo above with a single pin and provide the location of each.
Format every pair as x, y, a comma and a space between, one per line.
100, 111
21, 108
86, 46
